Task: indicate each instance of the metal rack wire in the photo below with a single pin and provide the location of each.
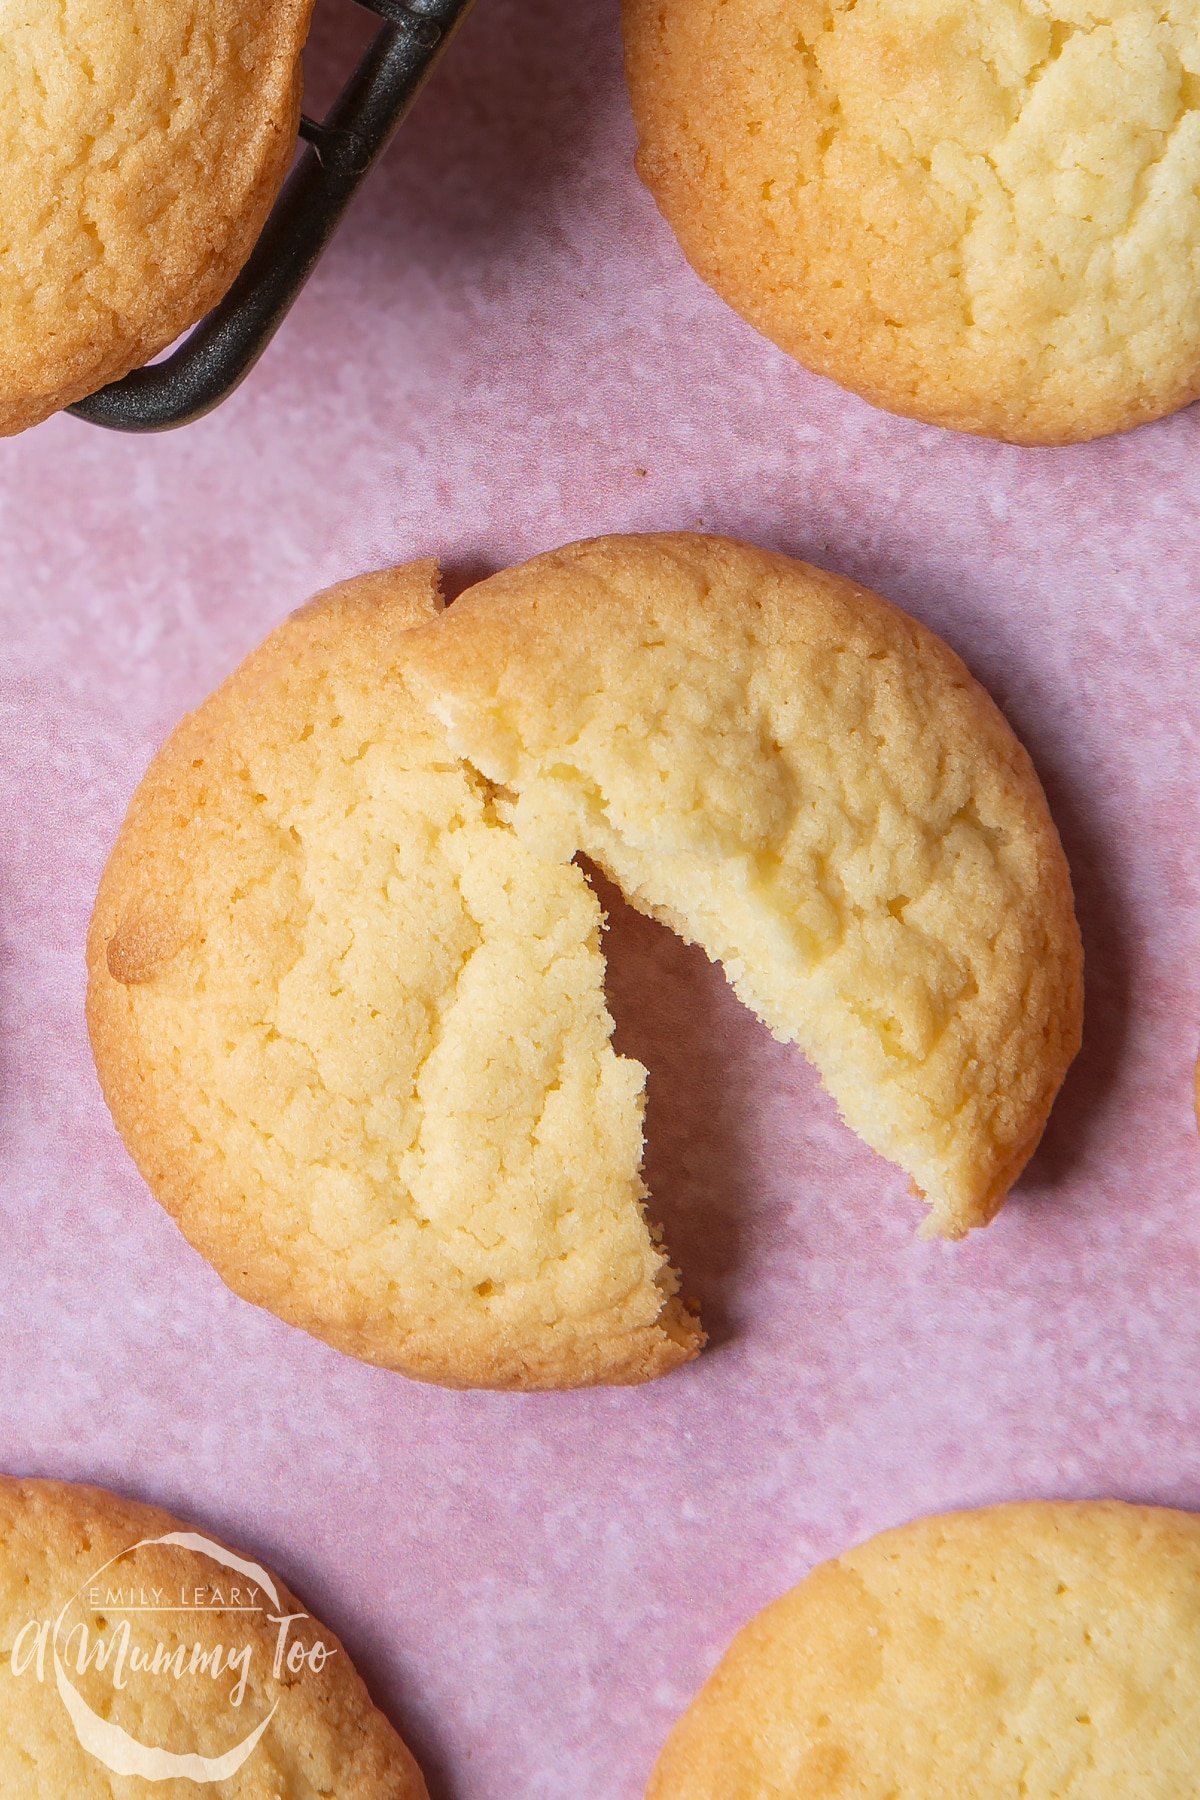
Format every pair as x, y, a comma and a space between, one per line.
341, 151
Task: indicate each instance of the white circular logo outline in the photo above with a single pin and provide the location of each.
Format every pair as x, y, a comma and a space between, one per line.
112, 1745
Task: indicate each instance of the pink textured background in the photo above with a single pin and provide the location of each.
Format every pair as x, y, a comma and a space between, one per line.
504, 351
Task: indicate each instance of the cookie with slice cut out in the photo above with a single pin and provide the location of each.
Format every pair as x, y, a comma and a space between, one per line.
346, 984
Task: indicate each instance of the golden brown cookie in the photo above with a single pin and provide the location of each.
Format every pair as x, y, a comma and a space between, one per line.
805, 781
1046, 1650
986, 216
140, 1656
354, 1031
143, 143
346, 986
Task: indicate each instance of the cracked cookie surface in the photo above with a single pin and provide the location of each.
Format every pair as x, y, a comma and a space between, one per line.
85, 1557
983, 216
1046, 1649
142, 146
354, 1031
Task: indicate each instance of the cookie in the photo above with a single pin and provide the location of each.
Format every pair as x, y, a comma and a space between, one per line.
143, 144
346, 988
806, 782
1048, 1650
354, 1031
138, 1655
985, 216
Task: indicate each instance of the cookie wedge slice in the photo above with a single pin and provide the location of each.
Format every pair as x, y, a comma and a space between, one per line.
802, 779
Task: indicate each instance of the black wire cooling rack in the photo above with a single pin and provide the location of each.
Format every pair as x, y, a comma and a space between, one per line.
341, 151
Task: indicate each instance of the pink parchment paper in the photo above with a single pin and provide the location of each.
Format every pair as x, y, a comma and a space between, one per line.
504, 351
